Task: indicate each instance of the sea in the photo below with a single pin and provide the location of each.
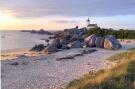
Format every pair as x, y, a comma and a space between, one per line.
11, 39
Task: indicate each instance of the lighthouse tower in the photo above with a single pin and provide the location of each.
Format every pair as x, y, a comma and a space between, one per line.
88, 22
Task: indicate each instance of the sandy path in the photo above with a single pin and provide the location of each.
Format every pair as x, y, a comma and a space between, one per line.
45, 72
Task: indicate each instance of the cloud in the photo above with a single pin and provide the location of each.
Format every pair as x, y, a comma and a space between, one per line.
64, 21
75, 8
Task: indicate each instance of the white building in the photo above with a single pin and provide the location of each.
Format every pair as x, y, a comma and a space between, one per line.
90, 26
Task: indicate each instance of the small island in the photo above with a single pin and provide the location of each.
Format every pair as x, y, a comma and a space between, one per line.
41, 31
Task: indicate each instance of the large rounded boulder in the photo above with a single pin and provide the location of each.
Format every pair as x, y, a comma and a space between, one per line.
99, 42
90, 40
111, 43
53, 47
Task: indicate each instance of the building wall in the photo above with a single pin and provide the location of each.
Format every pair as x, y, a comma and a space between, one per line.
90, 27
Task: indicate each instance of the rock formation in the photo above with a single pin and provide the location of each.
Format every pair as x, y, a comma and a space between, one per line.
90, 40
38, 48
74, 38
52, 47
99, 42
76, 44
69, 38
111, 43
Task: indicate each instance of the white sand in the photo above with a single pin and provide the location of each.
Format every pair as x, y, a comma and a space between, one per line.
45, 72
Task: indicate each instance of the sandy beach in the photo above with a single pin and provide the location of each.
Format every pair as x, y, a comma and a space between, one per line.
30, 70
13, 54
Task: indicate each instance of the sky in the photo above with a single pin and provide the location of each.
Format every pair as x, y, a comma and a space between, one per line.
61, 14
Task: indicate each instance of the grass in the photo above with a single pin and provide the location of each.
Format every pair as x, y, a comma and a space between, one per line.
122, 76
121, 56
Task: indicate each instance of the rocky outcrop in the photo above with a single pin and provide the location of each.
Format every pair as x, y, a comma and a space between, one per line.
111, 43
76, 55
69, 38
53, 47
76, 31
99, 42
64, 40
74, 38
41, 31
76, 44
90, 40
38, 48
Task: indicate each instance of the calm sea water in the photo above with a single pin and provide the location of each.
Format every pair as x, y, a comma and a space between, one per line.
17, 39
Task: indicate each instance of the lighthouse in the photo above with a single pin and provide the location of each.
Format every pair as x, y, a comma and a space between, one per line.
89, 25
88, 22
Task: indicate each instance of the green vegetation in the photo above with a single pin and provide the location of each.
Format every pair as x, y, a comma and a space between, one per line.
120, 34
122, 76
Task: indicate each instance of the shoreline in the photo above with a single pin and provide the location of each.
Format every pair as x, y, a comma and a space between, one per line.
16, 49
16, 53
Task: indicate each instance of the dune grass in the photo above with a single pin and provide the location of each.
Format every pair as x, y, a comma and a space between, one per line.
121, 56
122, 76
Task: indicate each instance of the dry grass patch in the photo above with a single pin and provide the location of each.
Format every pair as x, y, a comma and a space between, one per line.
122, 76
121, 56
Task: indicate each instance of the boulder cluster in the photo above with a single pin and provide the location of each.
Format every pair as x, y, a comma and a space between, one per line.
75, 38
109, 42
69, 38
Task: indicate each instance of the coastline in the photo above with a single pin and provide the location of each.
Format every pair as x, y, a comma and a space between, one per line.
15, 53
11, 50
